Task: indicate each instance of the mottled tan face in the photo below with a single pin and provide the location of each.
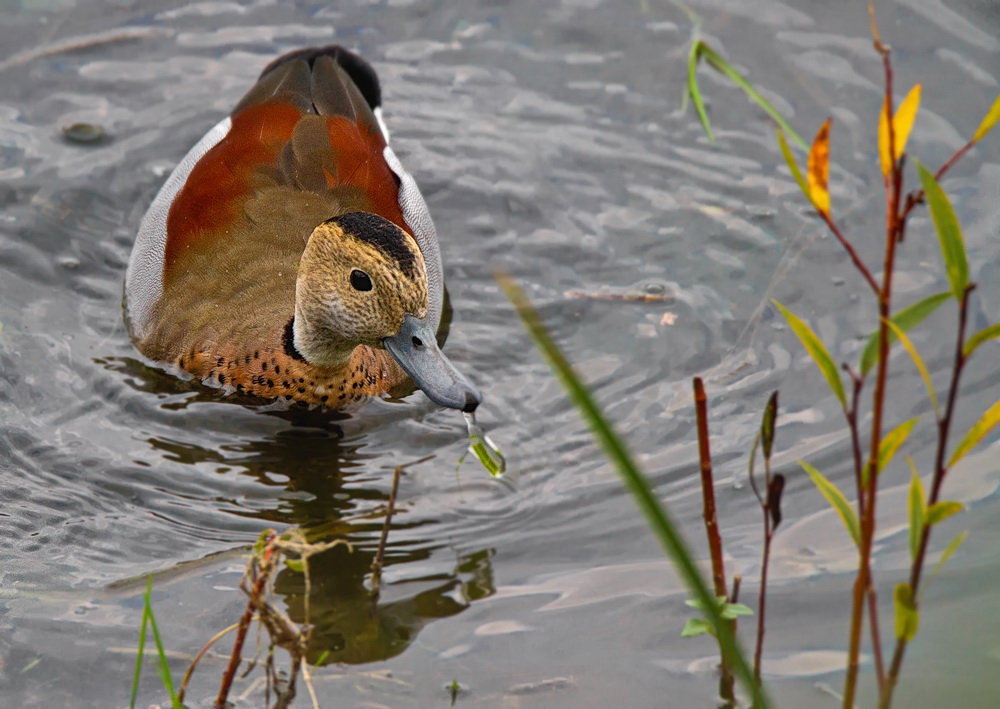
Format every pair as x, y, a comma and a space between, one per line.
359, 275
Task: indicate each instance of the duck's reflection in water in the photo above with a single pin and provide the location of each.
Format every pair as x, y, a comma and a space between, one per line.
329, 501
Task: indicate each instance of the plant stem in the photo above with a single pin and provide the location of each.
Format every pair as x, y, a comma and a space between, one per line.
708, 490
858, 263
940, 472
380, 554
863, 583
762, 602
241, 633
712, 528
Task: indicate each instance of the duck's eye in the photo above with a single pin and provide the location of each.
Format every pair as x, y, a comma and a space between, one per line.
360, 280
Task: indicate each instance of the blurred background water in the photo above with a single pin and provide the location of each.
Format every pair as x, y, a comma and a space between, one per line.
549, 141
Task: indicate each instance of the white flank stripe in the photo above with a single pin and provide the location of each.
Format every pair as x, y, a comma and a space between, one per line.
144, 275
418, 218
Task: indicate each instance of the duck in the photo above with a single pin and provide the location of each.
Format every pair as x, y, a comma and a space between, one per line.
289, 255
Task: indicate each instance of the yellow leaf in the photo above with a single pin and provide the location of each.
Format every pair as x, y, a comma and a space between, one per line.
883, 138
983, 426
992, 116
902, 124
940, 511
819, 169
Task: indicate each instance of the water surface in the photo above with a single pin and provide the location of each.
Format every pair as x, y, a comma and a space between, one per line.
549, 141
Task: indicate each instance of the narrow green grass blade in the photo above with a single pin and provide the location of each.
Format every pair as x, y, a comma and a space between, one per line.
141, 652
693, 56
715, 60
614, 448
918, 362
793, 165
988, 333
983, 426
836, 499
164, 667
817, 350
906, 319
948, 230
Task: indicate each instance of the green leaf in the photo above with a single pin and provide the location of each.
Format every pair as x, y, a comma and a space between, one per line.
793, 164
992, 116
698, 50
635, 482
952, 547
918, 362
296, 565
261, 544
837, 500
719, 602
889, 445
731, 611
917, 509
940, 511
893, 440
983, 426
907, 616
695, 627
693, 56
949, 232
815, 347
989, 333
906, 319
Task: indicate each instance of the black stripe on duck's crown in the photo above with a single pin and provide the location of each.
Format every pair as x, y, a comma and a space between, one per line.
382, 234
358, 69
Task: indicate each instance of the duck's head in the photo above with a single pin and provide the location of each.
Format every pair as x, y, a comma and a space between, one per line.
362, 281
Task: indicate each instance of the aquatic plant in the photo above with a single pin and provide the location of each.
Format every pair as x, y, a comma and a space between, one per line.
925, 509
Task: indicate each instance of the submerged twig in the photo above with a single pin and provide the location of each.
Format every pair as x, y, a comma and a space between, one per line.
726, 680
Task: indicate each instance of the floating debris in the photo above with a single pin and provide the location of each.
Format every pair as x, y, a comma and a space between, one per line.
84, 133
625, 296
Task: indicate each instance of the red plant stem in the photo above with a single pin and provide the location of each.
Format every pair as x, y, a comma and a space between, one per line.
852, 420
862, 584
726, 681
241, 633
876, 635
708, 490
858, 263
762, 602
940, 472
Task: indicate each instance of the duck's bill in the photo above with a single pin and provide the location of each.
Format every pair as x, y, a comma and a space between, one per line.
415, 348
